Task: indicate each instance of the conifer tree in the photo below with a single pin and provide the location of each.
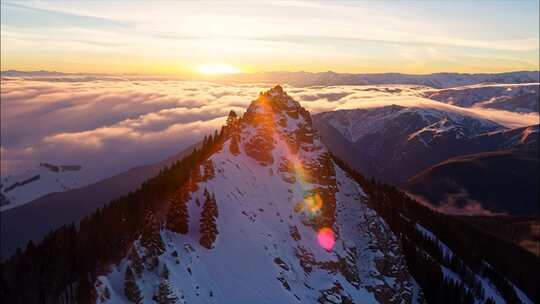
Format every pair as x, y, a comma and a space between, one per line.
165, 272
85, 291
177, 214
151, 237
194, 178
131, 289
205, 141
164, 294
153, 263
209, 171
136, 262
233, 145
208, 227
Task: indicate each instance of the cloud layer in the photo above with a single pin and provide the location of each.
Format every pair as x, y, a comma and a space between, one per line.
109, 125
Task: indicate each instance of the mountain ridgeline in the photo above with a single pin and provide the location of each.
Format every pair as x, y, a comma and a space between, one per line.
440, 155
435, 80
263, 213
393, 143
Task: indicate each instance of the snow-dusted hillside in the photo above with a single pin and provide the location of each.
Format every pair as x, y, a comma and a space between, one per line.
517, 138
393, 143
523, 98
355, 124
17, 190
292, 227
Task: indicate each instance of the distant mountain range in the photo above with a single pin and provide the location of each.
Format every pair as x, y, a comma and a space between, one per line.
523, 98
40, 73
435, 80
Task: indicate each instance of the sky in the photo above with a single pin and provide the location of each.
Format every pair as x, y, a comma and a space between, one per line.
189, 38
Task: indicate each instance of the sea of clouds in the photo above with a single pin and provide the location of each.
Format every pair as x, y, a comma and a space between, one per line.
111, 124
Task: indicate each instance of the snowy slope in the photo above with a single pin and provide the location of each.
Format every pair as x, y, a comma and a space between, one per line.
17, 190
292, 226
393, 143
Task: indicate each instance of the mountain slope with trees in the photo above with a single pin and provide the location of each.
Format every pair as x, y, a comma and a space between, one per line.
273, 217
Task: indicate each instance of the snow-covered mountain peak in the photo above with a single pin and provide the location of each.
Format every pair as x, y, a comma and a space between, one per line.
267, 218
276, 101
277, 130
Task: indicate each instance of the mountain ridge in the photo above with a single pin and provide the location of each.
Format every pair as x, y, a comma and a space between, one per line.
435, 80
392, 143
302, 79
298, 191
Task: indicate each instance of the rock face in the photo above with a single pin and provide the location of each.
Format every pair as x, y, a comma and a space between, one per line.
292, 227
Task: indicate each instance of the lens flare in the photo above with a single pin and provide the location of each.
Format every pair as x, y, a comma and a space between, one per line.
326, 238
313, 203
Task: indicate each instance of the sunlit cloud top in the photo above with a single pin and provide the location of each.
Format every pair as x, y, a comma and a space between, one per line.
190, 37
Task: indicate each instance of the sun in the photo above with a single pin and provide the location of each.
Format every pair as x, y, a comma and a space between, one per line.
217, 69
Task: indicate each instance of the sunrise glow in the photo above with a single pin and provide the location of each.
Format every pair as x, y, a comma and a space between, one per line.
169, 37
217, 69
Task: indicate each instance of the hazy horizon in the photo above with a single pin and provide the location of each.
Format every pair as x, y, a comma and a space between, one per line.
217, 76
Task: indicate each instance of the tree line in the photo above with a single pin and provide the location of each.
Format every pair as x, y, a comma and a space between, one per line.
472, 249
64, 265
